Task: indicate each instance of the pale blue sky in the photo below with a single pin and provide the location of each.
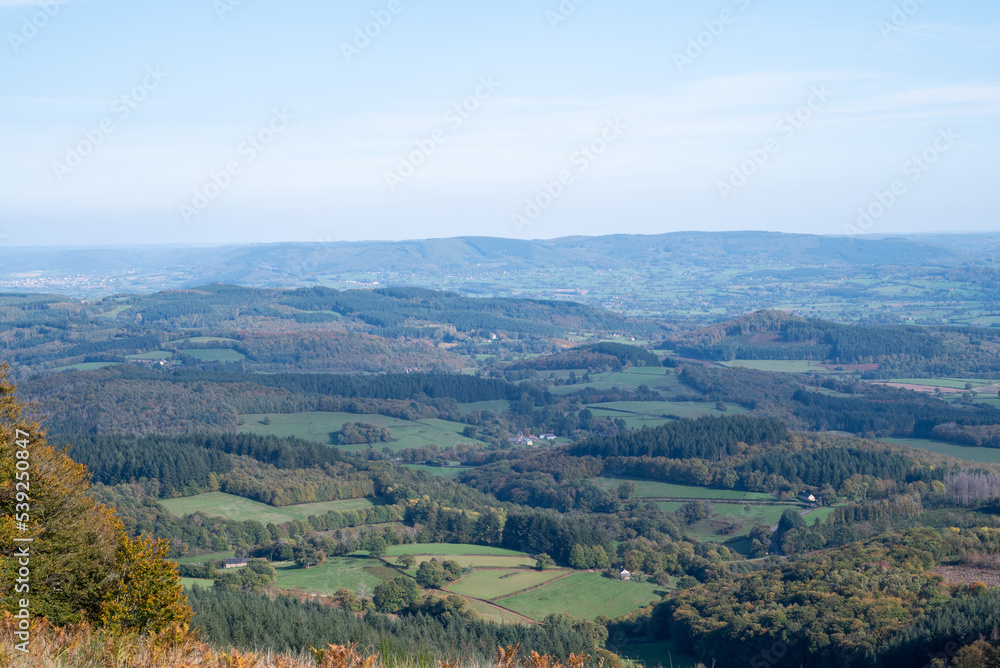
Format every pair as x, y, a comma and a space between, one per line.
340, 123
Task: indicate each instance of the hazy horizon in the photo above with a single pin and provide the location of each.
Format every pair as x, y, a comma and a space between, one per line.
223, 121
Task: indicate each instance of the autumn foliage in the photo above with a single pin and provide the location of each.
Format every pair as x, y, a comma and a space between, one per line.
83, 566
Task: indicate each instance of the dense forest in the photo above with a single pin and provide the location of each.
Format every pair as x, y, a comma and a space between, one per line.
756, 509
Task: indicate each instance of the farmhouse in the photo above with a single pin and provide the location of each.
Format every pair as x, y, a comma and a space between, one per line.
236, 563
625, 575
807, 497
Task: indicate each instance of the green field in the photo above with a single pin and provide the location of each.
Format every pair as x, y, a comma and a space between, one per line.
964, 452
452, 549
334, 573
215, 556
661, 409
498, 406
652, 488
491, 584
219, 504
788, 366
585, 595
493, 613
955, 383
155, 355
85, 366
479, 560
654, 377
201, 582
214, 354
708, 529
318, 427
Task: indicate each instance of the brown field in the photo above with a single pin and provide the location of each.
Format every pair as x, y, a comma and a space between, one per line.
923, 388
967, 575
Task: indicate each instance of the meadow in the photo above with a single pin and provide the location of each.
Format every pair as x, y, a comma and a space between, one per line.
707, 530
467, 556
494, 613
215, 556
201, 582
214, 354
491, 584
964, 452
787, 366
220, 504
585, 595
319, 426
656, 489
336, 572
653, 377
447, 549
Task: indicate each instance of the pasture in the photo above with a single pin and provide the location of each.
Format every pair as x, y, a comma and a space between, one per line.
351, 572
438, 549
787, 366
585, 595
714, 529
964, 452
493, 613
215, 556
154, 355
467, 556
656, 489
204, 583
491, 584
319, 426
220, 504
497, 406
214, 354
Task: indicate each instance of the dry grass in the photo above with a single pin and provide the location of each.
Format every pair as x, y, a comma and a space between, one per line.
83, 646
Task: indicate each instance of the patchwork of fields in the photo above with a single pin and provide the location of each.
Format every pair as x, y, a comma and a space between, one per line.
219, 504
585, 595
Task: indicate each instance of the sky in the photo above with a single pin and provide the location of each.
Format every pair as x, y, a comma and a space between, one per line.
248, 121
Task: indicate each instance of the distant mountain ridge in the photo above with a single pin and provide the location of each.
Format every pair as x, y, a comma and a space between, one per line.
289, 264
